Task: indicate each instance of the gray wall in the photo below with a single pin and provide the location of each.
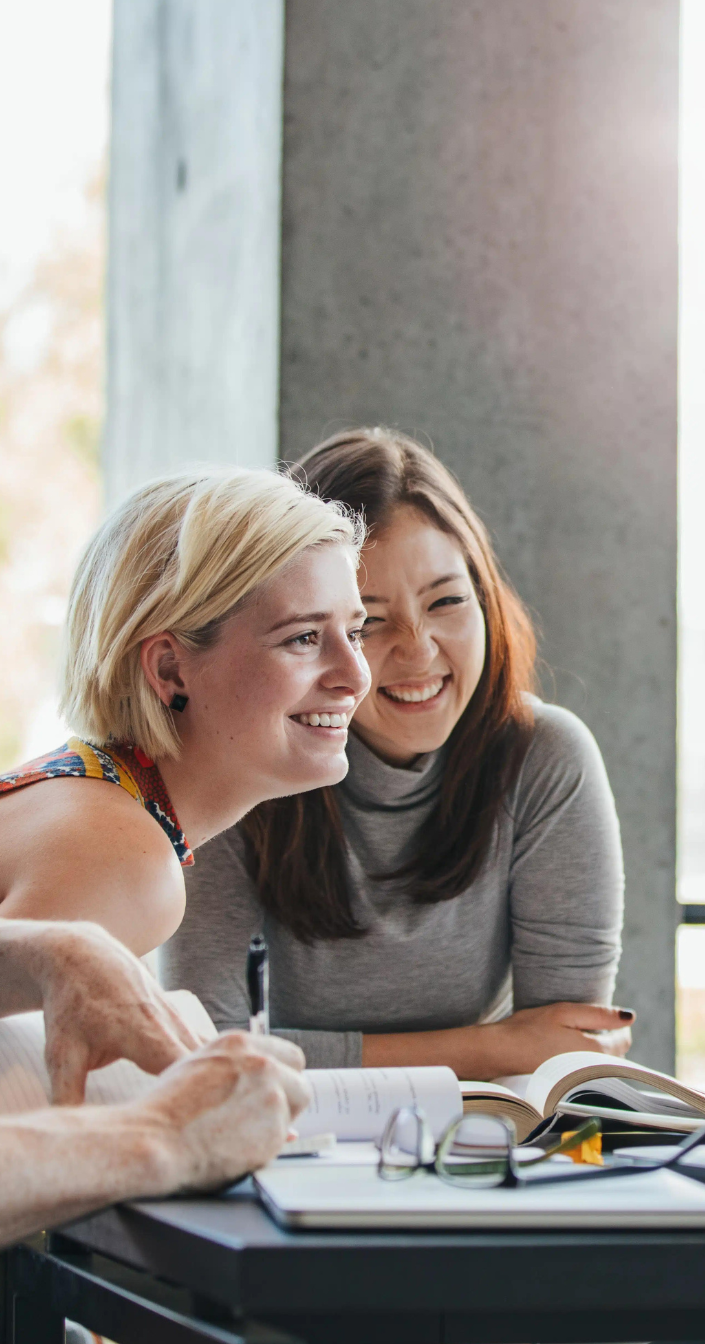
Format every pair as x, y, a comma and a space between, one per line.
479, 244
193, 275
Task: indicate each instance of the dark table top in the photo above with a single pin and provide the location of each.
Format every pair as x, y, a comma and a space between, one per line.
229, 1248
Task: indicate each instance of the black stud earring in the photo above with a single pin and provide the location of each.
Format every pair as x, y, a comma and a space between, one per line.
178, 702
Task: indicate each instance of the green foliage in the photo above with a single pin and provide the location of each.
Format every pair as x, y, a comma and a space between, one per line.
82, 434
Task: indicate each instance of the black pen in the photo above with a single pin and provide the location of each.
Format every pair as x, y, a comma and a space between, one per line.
258, 985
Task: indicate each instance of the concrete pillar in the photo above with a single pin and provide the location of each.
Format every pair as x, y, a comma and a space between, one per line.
193, 274
479, 245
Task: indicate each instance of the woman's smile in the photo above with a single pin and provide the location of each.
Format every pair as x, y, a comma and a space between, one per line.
416, 696
424, 637
331, 719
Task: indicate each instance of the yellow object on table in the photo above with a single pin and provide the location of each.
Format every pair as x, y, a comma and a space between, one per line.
590, 1150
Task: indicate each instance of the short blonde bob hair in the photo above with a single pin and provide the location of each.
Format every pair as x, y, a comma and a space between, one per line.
179, 554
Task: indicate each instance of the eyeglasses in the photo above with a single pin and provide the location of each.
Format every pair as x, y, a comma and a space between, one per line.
477, 1152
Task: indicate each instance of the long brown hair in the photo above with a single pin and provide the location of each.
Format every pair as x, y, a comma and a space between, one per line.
296, 846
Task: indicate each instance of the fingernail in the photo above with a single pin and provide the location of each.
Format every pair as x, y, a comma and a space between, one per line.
626, 1014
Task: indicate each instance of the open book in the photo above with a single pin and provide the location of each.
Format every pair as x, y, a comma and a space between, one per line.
584, 1083
355, 1104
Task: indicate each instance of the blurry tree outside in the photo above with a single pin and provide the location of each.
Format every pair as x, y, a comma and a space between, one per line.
51, 386
53, 141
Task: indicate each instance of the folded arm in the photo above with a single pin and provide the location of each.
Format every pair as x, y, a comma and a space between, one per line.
565, 901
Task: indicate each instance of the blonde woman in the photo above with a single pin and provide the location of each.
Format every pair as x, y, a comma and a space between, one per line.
213, 660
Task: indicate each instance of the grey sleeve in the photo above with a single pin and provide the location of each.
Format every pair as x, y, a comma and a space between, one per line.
208, 952
567, 879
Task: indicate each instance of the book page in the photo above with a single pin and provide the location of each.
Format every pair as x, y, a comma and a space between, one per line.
637, 1099
24, 1081
356, 1103
498, 1087
553, 1079
496, 1099
516, 1082
681, 1124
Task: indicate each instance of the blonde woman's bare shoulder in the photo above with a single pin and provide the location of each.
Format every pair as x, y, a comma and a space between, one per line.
85, 849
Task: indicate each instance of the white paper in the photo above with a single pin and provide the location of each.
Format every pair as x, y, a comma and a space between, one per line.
347, 1154
636, 1119
661, 1152
637, 1099
356, 1103
24, 1081
516, 1083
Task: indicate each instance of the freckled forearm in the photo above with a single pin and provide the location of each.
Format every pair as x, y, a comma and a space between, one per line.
24, 949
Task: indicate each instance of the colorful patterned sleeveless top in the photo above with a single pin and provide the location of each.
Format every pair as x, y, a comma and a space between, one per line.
123, 765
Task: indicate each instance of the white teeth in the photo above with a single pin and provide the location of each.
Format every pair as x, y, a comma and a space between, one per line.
324, 720
413, 697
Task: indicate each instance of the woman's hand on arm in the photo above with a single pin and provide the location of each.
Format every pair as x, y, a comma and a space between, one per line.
518, 1044
209, 1119
100, 1003
523, 1041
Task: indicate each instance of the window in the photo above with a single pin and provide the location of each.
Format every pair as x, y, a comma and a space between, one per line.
54, 114
691, 713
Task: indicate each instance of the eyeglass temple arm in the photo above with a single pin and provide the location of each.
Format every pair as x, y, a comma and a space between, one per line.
567, 1142
685, 1145
635, 1168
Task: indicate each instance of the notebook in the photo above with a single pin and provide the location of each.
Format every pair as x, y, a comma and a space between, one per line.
350, 1196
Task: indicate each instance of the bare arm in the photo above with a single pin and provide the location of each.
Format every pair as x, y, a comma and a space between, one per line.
83, 849
212, 1117
100, 1003
516, 1045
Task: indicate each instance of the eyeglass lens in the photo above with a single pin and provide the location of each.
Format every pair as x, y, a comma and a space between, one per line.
407, 1143
475, 1152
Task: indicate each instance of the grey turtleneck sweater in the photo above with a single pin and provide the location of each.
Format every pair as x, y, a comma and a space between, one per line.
540, 924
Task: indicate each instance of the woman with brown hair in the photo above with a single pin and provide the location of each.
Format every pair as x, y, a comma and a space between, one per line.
471, 854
